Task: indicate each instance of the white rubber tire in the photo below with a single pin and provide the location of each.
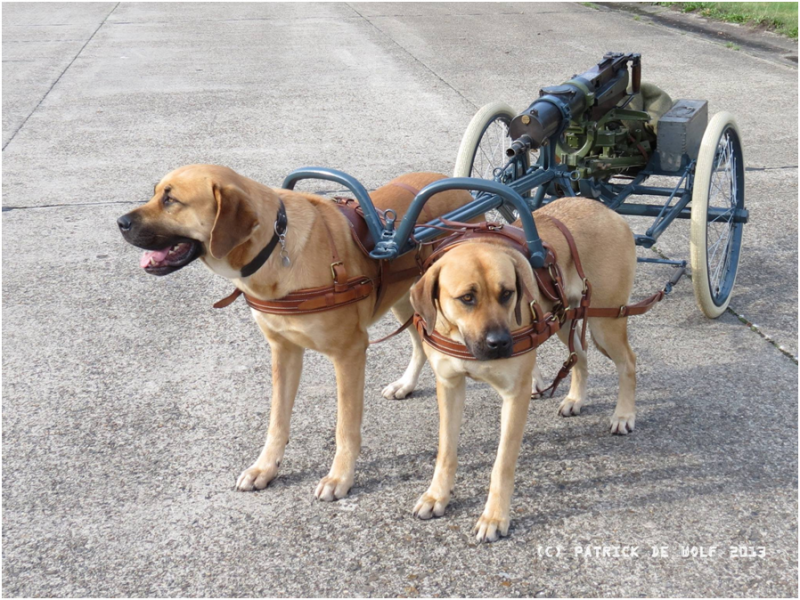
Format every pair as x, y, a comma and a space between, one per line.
475, 130
698, 237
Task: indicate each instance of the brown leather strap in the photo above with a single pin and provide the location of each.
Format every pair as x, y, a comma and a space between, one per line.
550, 281
338, 270
473, 232
397, 331
363, 239
586, 294
629, 310
571, 243
314, 300
562, 372
523, 340
228, 300
548, 277
344, 291
307, 301
351, 209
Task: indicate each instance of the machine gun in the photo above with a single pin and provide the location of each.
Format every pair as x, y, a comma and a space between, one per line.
588, 133
587, 117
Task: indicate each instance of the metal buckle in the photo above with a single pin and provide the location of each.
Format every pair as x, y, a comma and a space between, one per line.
560, 313
551, 271
585, 286
621, 311
531, 304
335, 264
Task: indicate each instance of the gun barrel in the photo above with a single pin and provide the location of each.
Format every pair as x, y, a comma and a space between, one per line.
602, 87
545, 116
519, 146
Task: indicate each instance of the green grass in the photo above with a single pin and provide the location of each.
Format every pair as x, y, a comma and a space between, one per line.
780, 17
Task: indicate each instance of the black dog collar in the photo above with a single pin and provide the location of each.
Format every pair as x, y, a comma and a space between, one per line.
281, 222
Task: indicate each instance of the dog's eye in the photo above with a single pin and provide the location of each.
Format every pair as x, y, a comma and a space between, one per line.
468, 299
505, 296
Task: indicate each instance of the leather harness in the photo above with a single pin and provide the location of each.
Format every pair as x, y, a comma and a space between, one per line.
549, 280
344, 290
348, 290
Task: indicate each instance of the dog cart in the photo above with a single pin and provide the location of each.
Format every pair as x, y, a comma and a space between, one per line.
601, 135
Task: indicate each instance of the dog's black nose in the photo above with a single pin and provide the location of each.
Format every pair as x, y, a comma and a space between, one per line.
124, 223
498, 340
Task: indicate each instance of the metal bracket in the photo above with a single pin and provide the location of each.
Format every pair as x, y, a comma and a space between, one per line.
348, 181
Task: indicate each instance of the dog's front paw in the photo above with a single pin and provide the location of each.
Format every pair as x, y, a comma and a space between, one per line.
622, 424
570, 407
332, 488
399, 389
491, 527
256, 478
430, 505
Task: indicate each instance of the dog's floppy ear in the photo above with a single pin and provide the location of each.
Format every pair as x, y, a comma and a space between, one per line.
524, 283
518, 307
235, 220
424, 295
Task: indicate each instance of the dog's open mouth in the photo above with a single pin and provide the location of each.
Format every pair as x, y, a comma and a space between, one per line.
177, 256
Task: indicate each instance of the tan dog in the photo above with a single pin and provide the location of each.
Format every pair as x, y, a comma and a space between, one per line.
471, 294
225, 219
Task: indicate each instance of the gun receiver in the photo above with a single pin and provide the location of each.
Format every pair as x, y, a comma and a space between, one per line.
595, 92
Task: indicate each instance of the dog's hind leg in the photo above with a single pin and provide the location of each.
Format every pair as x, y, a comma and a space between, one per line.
612, 336
349, 366
287, 364
571, 405
401, 388
538, 385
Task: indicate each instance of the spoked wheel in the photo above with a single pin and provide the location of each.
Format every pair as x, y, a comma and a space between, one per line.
715, 238
483, 147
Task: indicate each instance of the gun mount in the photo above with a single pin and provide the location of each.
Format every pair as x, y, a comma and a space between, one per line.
587, 118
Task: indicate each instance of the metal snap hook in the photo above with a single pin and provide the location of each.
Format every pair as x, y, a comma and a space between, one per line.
391, 219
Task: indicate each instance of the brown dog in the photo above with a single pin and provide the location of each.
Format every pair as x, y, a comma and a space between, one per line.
226, 220
472, 294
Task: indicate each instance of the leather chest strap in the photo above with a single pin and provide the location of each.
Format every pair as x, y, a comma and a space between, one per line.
344, 291
310, 300
523, 340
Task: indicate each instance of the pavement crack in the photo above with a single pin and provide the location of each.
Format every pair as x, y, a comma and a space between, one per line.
67, 205
782, 349
769, 168
35, 108
407, 51
244, 19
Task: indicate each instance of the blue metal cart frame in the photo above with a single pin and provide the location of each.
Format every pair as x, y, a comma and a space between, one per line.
395, 239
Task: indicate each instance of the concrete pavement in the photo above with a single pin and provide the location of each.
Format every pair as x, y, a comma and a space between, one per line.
130, 406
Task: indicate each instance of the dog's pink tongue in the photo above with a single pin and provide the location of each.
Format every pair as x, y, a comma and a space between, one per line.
158, 255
